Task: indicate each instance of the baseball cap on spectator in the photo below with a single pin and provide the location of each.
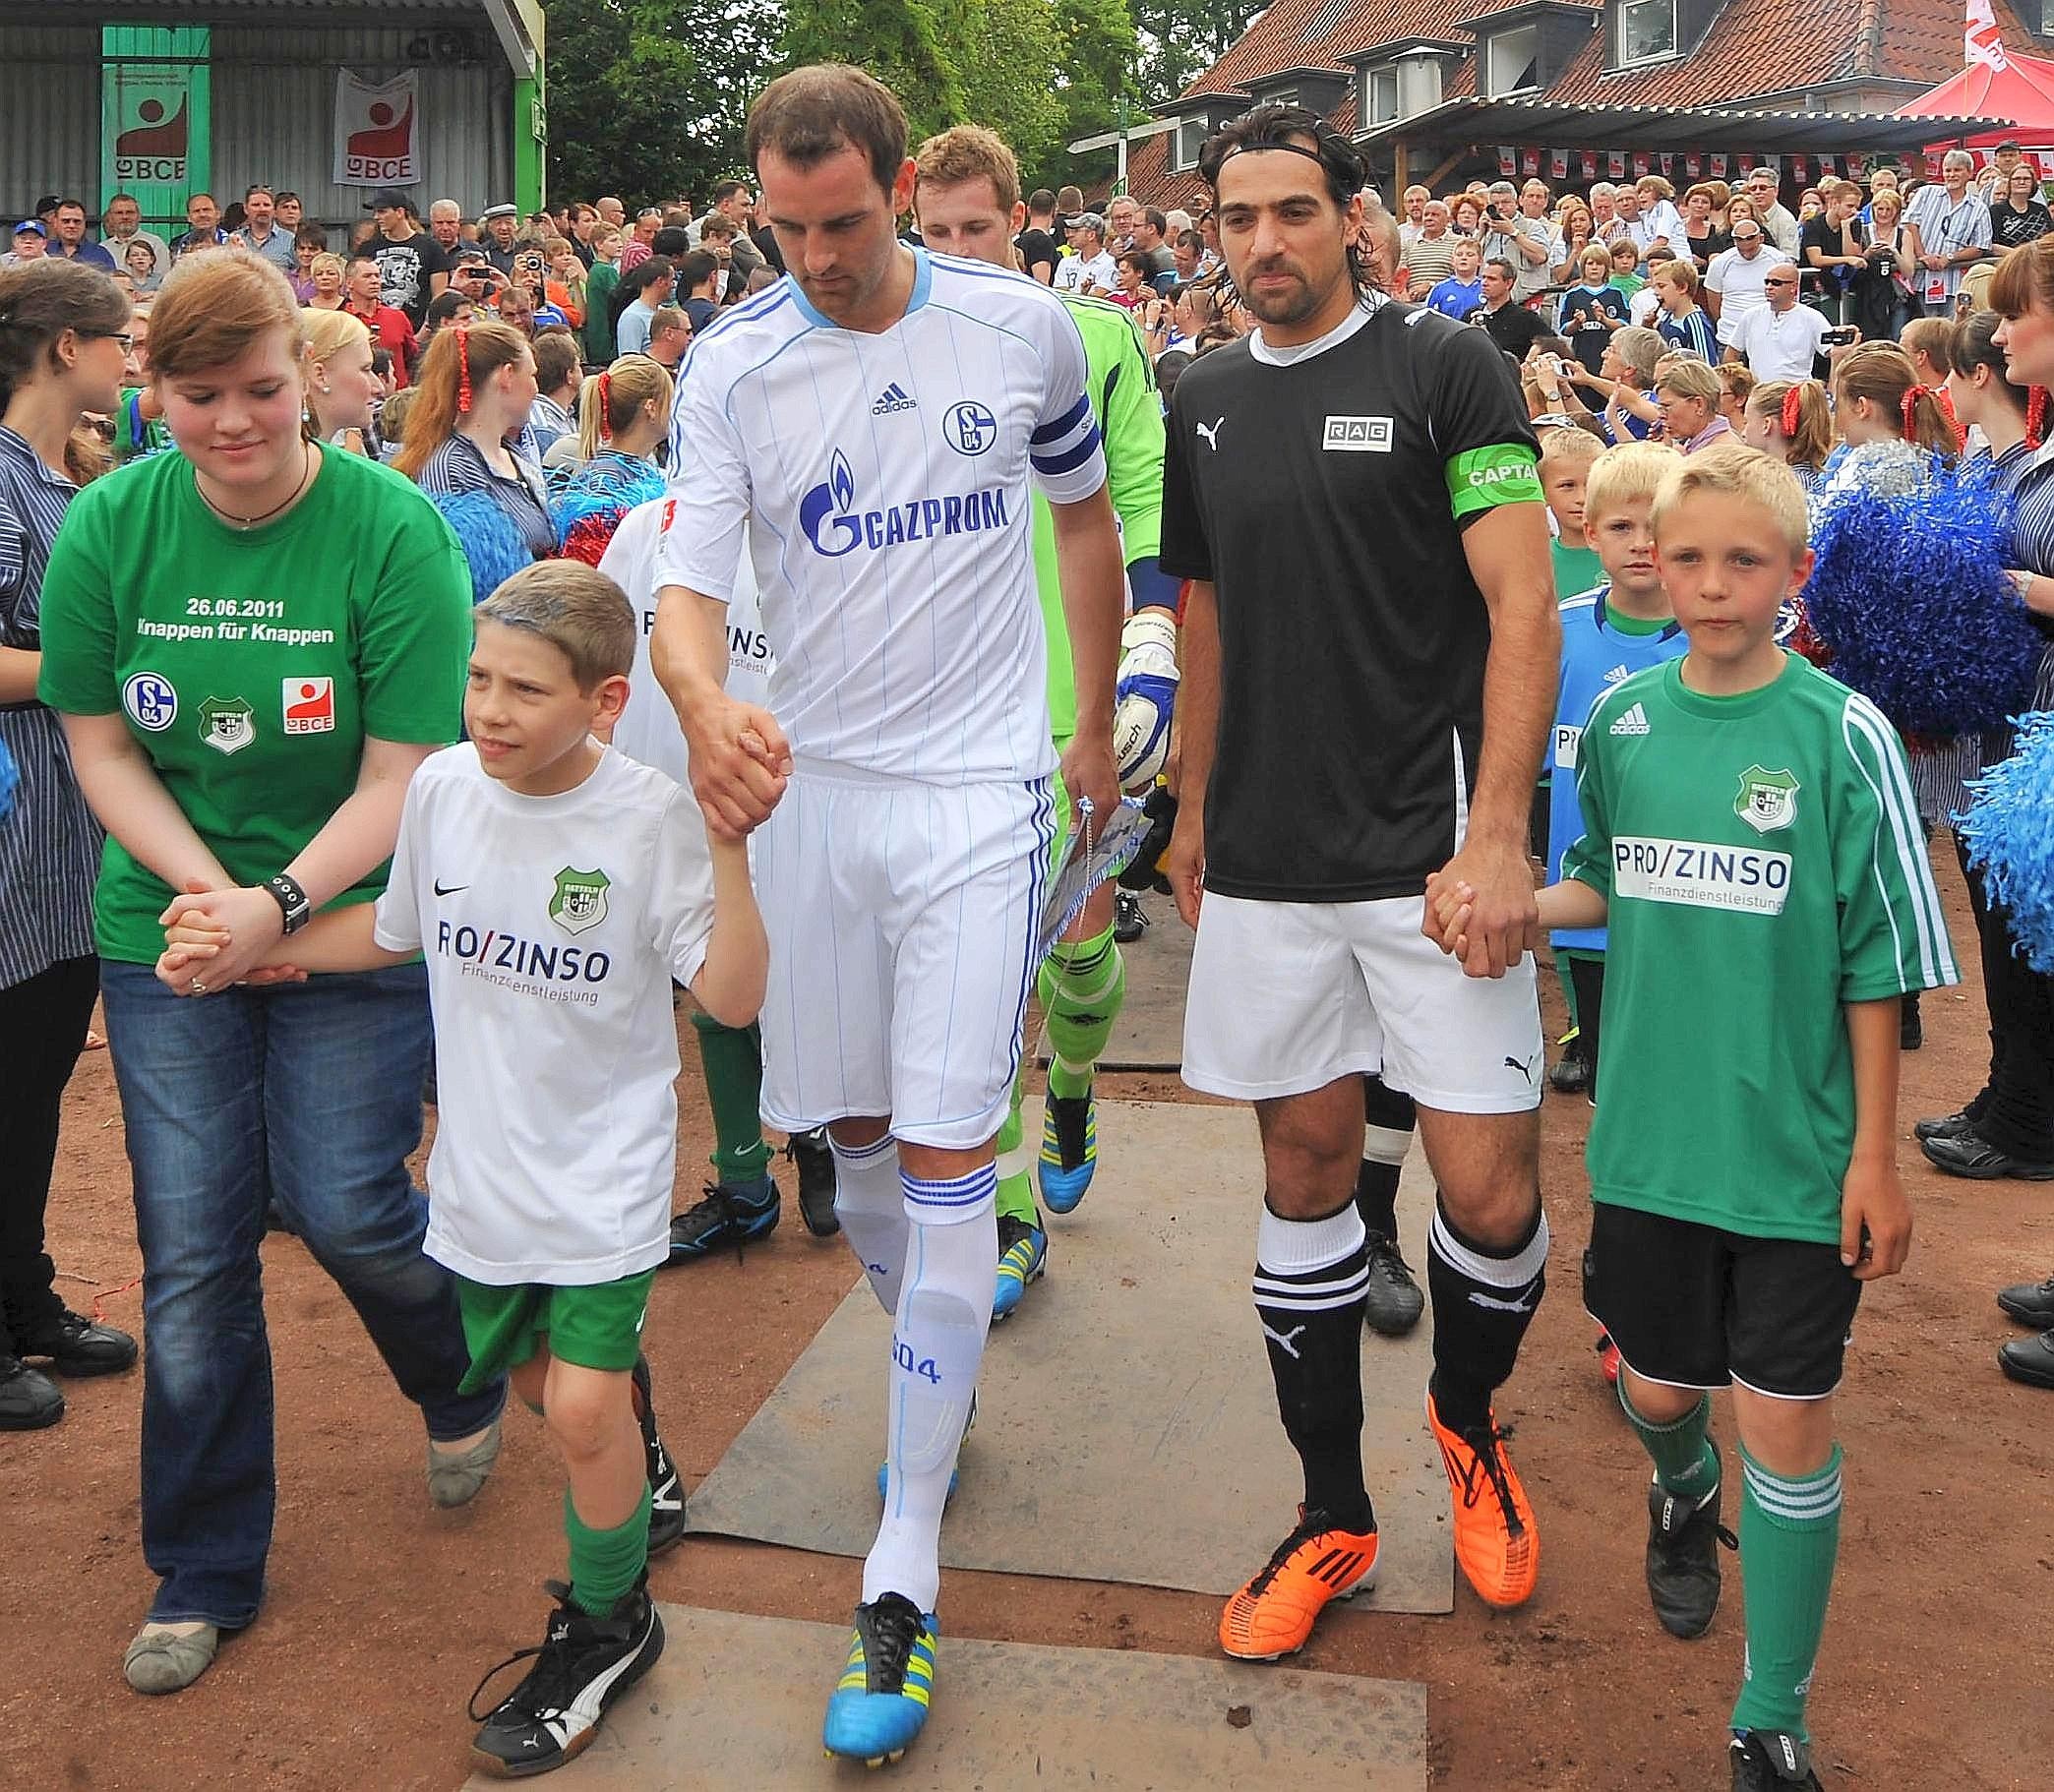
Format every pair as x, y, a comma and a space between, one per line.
386, 198
31, 226
1088, 220
492, 212
46, 205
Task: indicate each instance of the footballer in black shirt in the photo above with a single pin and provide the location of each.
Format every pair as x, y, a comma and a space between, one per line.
1369, 663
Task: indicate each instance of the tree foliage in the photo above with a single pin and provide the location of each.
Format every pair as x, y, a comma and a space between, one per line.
1181, 39
647, 97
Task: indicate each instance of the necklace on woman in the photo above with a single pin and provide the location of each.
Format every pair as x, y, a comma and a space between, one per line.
308, 463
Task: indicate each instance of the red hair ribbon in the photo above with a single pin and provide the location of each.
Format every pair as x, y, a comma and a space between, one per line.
1790, 410
2036, 415
1938, 394
605, 406
464, 384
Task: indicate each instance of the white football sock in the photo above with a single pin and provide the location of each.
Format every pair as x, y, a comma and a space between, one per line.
938, 1344
871, 1205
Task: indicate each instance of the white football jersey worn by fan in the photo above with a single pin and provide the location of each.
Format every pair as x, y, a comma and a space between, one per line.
648, 728
552, 926
882, 484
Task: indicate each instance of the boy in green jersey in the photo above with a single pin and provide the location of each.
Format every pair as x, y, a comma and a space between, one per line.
1751, 842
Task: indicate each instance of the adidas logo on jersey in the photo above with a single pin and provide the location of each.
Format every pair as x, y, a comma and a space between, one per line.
894, 398
1633, 722
1615, 674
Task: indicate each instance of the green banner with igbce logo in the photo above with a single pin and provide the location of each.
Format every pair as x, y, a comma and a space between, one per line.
156, 127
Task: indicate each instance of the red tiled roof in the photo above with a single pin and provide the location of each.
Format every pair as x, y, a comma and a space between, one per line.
1315, 34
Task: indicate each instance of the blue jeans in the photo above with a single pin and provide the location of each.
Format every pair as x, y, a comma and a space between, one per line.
310, 1094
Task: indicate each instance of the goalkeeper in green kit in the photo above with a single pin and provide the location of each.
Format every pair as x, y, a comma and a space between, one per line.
1752, 841
968, 205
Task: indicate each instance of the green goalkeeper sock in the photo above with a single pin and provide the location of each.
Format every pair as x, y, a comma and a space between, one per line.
733, 1060
1686, 1460
1789, 1536
605, 1564
1082, 984
1015, 1167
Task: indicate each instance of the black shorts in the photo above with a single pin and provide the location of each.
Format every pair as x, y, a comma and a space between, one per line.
1695, 1307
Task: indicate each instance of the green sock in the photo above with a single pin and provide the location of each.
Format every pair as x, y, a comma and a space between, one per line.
1789, 1535
1082, 984
606, 1564
1015, 1178
732, 1059
1568, 983
1686, 1460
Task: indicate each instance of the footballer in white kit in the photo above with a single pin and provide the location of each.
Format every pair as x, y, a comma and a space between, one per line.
869, 431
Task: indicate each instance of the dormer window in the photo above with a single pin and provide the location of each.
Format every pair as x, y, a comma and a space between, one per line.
1512, 61
1647, 30
1380, 93
1189, 142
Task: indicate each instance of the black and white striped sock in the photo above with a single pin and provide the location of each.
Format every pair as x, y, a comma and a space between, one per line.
1311, 1276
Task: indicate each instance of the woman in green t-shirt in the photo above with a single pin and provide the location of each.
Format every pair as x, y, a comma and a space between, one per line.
253, 643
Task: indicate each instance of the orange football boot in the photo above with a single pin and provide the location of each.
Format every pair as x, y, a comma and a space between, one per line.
1495, 1541
1274, 1614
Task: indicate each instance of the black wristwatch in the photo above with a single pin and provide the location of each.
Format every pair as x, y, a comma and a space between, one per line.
287, 894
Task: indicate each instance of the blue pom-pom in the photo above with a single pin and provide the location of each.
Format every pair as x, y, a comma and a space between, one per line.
1911, 598
492, 542
2009, 833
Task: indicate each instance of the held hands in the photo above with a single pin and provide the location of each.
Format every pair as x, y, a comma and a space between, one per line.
741, 764
1480, 908
216, 938
1874, 1220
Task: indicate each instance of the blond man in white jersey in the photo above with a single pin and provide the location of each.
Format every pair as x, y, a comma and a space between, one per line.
871, 425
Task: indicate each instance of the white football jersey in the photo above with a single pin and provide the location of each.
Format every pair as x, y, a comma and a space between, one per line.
648, 728
552, 926
882, 485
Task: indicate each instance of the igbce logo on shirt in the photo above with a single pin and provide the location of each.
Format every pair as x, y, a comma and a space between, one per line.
830, 519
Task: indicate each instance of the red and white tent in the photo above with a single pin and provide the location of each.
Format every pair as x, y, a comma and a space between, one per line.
2014, 93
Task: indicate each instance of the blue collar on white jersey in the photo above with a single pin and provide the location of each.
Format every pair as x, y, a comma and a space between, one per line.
923, 282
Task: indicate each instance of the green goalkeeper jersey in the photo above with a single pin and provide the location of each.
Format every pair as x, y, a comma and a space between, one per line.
1762, 859
1129, 410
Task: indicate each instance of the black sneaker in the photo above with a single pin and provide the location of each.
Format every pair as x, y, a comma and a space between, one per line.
1911, 1028
725, 1216
1768, 1761
1393, 1302
2030, 1361
76, 1345
1683, 1539
666, 1486
1965, 1152
1571, 1074
1129, 918
2030, 1303
1941, 1125
29, 1399
583, 1664
812, 1162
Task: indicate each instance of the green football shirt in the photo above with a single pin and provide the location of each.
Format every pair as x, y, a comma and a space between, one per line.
1129, 410
251, 665
1762, 858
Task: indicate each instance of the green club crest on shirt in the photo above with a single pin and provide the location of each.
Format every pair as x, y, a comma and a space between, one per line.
579, 902
228, 724
1767, 799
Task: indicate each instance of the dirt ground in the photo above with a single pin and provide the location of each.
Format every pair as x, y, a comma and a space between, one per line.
382, 1613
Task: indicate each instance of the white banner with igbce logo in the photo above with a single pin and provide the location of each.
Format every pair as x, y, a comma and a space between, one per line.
376, 130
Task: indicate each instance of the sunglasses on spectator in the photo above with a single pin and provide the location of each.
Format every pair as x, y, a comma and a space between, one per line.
1750, 236
1779, 282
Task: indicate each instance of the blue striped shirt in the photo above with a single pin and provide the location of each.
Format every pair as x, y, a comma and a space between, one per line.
1692, 332
50, 845
2031, 486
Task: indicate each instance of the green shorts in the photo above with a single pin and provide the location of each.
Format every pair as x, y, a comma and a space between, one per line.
598, 1327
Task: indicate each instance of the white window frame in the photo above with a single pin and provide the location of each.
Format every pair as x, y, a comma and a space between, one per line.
1667, 54
1494, 54
1387, 72
1180, 162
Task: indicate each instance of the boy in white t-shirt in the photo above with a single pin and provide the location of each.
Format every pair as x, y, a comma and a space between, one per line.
555, 888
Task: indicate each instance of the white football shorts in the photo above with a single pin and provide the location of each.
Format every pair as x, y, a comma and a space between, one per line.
902, 920
1288, 996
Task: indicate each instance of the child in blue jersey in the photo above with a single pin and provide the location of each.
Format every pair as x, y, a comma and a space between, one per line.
1462, 292
1608, 633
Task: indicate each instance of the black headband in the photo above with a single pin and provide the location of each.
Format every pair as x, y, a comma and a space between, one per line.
1289, 149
